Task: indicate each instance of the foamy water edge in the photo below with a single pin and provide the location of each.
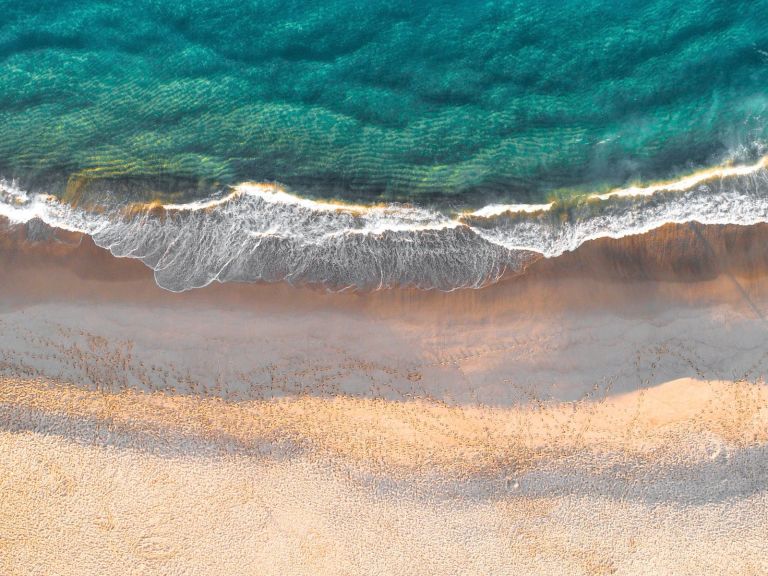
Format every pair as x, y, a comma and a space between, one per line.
261, 232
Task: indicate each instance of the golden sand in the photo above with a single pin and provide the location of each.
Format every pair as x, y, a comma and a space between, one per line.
89, 486
413, 435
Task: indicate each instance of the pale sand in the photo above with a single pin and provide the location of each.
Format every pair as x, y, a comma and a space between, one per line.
666, 481
567, 426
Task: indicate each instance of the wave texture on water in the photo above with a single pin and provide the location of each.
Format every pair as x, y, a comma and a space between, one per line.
381, 101
260, 232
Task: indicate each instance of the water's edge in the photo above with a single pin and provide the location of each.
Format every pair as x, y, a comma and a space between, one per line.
261, 232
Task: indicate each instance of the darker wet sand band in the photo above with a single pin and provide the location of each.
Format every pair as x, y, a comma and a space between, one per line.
686, 262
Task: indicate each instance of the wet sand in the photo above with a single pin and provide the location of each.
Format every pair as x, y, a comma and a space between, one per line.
604, 413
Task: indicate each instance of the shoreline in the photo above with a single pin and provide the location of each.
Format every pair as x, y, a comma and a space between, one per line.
678, 256
532, 335
261, 232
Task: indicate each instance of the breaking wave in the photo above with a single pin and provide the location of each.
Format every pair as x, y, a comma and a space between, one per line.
260, 232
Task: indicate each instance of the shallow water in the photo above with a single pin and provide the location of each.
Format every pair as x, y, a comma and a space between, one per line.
513, 101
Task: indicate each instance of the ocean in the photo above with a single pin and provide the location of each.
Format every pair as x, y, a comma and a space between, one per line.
369, 145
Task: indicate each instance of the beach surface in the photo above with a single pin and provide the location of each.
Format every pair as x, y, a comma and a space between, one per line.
604, 412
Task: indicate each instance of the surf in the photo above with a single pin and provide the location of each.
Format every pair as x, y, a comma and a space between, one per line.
264, 232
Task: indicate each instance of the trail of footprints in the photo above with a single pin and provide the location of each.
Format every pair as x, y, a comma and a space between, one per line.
95, 362
64, 353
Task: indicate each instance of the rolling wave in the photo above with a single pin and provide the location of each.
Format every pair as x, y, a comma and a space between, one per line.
260, 232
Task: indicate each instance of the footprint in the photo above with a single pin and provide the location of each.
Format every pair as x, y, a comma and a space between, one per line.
155, 547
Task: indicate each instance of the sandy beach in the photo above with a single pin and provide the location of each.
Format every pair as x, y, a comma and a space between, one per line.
603, 413
383, 288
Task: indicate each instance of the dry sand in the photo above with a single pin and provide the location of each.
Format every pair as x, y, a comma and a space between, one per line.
669, 481
590, 422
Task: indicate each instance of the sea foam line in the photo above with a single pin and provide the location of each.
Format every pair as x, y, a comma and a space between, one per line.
259, 231
687, 182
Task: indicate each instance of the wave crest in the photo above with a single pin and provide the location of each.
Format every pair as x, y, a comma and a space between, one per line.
260, 232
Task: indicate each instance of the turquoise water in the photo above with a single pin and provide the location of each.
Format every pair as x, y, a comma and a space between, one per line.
465, 101
476, 132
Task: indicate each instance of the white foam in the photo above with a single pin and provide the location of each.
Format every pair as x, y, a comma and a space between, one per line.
262, 232
499, 209
687, 182
19, 207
